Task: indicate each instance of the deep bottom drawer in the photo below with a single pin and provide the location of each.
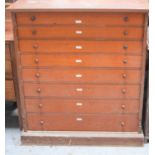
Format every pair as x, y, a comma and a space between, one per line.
76, 122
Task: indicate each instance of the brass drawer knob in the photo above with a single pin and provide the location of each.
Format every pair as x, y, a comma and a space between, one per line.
41, 122
35, 46
37, 75
125, 47
36, 60
125, 33
33, 18
122, 124
40, 105
126, 18
124, 91
125, 61
124, 76
38, 90
123, 106
34, 32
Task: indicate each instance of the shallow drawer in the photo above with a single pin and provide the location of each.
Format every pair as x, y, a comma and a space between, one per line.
80, 60
80, 32
82, 75
81, 18
81, 106
82, 90
66, 46
76, 122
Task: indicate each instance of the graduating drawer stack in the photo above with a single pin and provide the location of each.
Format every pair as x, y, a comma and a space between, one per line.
80, 71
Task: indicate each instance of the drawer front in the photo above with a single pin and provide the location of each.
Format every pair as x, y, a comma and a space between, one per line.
76, 122
77, 60
66, 46
82, 75
81, 18
81, 106
80, 32
83, 91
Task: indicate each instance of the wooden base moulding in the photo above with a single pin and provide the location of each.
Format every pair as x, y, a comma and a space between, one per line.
82, 138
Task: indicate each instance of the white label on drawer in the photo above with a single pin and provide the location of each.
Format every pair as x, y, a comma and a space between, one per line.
79, 119
78, 21
79, 89
78, 61
78, 75
78, 32
79, 104
78, 47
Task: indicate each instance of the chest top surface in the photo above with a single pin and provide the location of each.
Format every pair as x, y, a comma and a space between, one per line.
80, 5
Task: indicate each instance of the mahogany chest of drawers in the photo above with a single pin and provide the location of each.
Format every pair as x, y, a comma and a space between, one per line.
80, 70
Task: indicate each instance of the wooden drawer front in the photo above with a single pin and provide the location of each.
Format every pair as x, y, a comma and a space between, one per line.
79, 90
81, 18
80, 32
77, 60
76, 122
81, 106
80, 46
9, 90
82, 75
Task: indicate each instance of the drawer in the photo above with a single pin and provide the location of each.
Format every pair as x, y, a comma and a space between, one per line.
46, 105
82, 75
55, 18
82, 90
117, 33
76, 122
69, 46
80, 60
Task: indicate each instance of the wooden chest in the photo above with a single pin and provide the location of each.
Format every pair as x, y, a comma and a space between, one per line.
80, 69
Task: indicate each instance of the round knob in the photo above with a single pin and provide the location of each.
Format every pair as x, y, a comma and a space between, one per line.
41, 122
123, 106
125, 47
125, 33
40, 105
124, 76
34, 32
125, 61
126, 18
123, 91
33, 18
122, 124
37, 75
35, 46
38, 90
36, 60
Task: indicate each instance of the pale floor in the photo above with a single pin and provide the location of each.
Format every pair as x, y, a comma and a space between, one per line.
13, 146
